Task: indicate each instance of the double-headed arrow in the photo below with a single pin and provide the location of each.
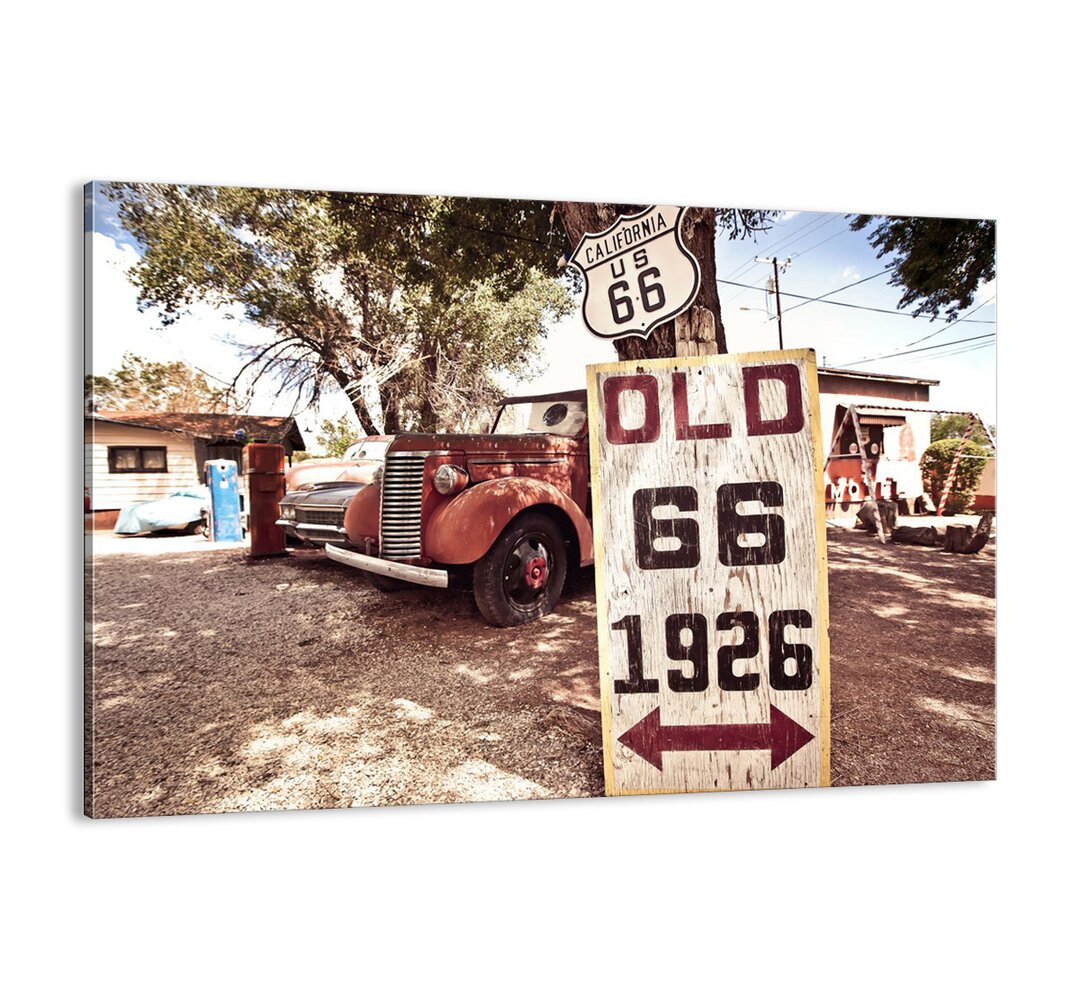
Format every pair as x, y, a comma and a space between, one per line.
781, 734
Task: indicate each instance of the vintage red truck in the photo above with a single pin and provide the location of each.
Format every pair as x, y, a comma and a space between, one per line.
506, 512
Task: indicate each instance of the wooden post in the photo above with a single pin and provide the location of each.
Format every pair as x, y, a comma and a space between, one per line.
868, 476
986, 431
956, 461
836, 437
695, 333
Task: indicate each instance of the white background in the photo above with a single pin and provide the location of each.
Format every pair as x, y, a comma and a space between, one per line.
918, 108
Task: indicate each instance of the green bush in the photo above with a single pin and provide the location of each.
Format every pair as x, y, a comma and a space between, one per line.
935, 470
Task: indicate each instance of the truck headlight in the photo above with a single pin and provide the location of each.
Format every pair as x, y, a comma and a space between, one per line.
449, 479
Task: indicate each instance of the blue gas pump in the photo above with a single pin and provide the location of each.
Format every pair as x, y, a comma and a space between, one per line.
220, 475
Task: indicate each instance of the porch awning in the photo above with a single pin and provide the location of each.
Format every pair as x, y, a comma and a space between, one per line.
873, 417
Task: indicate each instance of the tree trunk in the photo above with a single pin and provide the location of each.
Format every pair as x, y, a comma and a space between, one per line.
391, 423
363, 414
429, 418
699, 235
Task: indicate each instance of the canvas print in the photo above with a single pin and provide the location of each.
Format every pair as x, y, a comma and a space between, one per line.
414, 499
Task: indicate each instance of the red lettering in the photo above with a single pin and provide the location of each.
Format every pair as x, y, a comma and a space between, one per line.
792, 421
614, 387
684, 430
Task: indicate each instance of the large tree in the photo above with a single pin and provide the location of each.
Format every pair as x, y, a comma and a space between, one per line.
939, 263
377, 295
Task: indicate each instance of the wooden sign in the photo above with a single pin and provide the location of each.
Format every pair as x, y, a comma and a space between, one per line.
638, 273
712, 602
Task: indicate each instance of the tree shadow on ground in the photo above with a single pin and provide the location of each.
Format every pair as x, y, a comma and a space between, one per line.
221, 684
912, 641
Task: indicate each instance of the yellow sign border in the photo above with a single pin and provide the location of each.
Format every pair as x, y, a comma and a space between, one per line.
630, 367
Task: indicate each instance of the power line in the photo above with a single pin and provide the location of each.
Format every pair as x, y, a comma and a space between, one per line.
847, 305
821, 220
840, 289
963, 319
793, 238
951, 352
918, 350
839, 232
959, 350
749, 262
934, 333
796, 236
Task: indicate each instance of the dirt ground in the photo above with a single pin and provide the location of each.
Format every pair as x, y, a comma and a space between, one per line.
290, 683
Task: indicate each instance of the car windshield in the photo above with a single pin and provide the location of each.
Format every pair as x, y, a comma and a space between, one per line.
565, 417
374, 450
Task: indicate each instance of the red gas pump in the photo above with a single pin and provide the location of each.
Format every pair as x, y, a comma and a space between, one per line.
264, 466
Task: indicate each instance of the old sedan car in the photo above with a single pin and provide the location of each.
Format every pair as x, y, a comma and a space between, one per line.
507, 511
319, 490
317, 514
357, 465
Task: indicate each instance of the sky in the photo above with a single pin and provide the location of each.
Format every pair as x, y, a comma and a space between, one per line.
825, 256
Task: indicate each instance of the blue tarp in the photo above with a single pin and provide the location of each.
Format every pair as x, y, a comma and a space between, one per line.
175, 511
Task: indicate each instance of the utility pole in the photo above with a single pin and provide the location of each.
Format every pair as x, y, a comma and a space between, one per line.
777, 268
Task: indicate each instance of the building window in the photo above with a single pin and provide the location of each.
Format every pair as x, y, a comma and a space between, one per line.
124, 459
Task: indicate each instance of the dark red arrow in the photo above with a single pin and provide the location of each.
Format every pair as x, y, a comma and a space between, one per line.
781, 734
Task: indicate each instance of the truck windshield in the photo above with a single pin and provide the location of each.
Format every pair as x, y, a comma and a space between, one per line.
549, 416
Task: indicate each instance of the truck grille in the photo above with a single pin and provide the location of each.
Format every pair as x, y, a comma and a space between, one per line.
402, 491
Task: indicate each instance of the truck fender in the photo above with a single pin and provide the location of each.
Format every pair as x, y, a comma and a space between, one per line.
362, 515
461, 531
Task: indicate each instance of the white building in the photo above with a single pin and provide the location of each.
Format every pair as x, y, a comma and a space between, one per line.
130, 457
895, 415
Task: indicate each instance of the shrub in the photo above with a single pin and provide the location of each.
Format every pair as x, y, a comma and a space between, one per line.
935, 470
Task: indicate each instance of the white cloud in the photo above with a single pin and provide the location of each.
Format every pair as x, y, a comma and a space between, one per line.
785, 216
985, 292
850, 274
118, 326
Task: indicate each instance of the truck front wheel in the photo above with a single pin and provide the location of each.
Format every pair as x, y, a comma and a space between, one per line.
522, 575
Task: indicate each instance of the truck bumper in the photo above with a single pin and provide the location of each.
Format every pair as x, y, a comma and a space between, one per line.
384, 567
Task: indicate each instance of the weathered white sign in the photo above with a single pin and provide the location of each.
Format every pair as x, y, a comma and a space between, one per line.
712, 605
638, 273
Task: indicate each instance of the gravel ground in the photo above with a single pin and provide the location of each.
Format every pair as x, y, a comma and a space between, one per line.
224, 685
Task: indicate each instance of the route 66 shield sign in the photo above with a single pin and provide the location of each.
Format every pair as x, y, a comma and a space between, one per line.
638, 273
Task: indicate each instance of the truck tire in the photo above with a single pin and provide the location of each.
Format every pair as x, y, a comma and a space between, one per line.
522, 575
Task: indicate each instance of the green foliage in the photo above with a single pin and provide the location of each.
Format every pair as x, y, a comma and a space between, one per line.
939, 263
335, 436
138, 384
462, 347
953, 425
935, 465
377, 295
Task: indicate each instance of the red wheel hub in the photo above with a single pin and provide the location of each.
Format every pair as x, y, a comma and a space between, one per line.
536, 571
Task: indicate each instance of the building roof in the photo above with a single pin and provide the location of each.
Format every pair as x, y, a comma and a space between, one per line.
211, 426
849, 373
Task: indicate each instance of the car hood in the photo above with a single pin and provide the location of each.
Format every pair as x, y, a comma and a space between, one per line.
331, 495
329, 470
489, 444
